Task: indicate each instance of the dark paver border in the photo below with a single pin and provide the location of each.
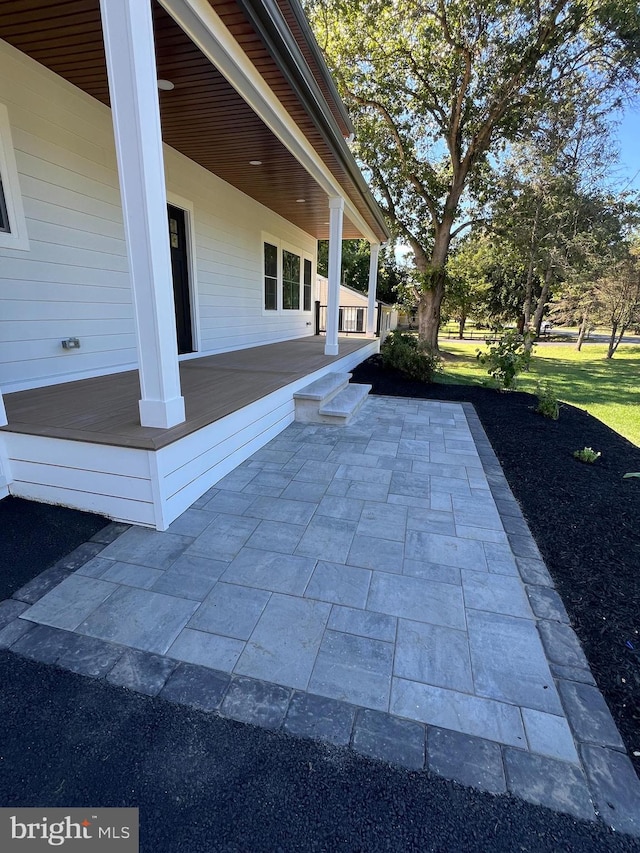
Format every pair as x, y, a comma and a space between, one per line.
606, 777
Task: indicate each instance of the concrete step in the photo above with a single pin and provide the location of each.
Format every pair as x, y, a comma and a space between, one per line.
323, 388
341, 408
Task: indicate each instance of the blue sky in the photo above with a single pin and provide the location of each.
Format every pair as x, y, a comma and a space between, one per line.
629, 137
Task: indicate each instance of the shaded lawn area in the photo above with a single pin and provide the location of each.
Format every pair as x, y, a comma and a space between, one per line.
609, 389
584, 518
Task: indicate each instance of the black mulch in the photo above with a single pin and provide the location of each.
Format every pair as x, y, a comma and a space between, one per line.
585, 520
33, 536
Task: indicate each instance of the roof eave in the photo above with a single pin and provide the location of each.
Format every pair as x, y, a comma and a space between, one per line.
269, 23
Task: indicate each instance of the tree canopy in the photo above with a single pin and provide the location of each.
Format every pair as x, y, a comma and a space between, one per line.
438, 89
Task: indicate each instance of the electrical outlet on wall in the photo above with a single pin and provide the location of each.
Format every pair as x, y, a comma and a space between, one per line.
71, 343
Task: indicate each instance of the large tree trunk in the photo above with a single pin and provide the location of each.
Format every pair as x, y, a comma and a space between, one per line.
461, 324
613, 343
582, 331
429, 315
542, 302
528, 294
431, 299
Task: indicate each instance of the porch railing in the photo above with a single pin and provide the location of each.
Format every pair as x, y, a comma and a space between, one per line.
352, 319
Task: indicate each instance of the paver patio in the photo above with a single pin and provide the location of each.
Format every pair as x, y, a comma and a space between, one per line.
356, 584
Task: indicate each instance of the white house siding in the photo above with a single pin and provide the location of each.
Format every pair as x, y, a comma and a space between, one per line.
74, 282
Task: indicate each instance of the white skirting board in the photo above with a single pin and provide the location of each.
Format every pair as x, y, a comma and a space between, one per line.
152, 488
5, 470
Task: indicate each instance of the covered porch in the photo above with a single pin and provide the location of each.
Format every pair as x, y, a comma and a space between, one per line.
81, 443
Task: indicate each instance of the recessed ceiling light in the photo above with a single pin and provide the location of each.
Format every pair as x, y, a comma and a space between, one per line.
165, 85
255, 162
300, 200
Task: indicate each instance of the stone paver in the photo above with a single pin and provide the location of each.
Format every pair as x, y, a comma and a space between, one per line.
285, 642
509, 662
142, 671
353, 669
138, 618
547, 782
615, 787
389, 739
319, 717
466, 759
256, 702
194, 685
373, 585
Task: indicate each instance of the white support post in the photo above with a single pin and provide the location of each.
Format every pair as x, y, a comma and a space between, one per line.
373, 283
133, 88
336, 211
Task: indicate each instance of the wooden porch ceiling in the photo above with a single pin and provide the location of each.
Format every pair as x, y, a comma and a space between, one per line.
203, 117
104, 410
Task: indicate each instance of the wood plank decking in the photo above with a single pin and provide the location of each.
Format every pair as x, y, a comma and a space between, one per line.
104, 409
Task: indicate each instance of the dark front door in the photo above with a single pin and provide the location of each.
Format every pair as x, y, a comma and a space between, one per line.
180, 270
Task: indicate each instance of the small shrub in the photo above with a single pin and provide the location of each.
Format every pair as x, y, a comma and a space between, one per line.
506, 358
547, 402
413, 358
587, 454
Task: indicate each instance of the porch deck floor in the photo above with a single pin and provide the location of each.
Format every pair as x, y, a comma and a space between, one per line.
356, 584
104, 409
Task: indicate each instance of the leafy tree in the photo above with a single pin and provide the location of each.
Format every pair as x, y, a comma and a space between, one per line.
355, 268
600, 251
468, 269
437, 86
617, 298
548, 204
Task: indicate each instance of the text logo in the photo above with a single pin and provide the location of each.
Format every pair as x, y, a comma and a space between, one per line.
86, 830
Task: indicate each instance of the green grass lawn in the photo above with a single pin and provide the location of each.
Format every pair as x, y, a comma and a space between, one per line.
609, 389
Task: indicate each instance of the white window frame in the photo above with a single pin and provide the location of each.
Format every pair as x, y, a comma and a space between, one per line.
307, 257
273, 241
16, 237
285, 246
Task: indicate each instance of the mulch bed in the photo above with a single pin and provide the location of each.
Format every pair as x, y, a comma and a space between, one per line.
34, 535
585, 520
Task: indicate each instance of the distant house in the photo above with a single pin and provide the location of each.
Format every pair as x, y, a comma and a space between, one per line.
354, 305
166, 169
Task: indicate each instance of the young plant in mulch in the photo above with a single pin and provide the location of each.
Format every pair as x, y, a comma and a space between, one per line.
507, 358
547, 402
587, 454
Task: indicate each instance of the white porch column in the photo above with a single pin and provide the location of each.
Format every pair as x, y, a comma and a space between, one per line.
133, 89
336, 211
373, 282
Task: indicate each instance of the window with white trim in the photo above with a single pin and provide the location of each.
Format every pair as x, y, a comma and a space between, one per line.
270, 277
13, 228
287, 277
290, 281
306, 282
